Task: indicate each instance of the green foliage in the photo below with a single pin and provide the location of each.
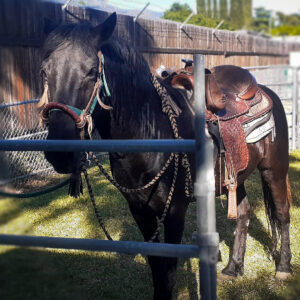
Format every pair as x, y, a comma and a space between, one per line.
286, 30
179, 12
239, 17
290, 20
262, 13
260, 22
288, 25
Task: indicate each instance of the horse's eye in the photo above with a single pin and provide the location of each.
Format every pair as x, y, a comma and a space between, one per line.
42, 74
93, 73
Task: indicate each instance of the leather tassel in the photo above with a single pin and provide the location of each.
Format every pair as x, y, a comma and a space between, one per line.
232, 201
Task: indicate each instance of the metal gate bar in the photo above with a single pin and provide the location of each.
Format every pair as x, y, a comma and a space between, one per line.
99, 146
126, 247
206, 239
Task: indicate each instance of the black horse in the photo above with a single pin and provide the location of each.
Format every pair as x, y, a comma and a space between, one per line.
71, 68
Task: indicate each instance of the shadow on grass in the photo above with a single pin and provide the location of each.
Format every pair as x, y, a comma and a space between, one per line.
42, 274
263, 286
18, 205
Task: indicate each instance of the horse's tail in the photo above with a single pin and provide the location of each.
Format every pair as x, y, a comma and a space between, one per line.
271, 215
271, 211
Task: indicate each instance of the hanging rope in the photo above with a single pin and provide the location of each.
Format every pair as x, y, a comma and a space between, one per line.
169, 108
100, 220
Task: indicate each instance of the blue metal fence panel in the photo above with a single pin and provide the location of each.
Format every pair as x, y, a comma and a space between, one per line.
99, 146
126, 247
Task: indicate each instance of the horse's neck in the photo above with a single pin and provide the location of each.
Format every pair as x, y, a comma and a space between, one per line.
136, 108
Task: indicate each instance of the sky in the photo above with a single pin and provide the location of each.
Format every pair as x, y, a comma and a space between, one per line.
285, 6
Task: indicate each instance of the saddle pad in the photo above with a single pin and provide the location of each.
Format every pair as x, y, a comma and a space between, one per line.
258, 109
260, 128
235, 144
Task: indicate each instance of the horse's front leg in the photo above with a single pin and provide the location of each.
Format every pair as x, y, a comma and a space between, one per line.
147, 223
235, 265
166, 273
163, 268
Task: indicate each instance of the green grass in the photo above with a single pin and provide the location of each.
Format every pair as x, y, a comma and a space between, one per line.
28, 273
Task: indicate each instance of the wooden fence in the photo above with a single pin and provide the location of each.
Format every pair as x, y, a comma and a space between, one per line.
161, 42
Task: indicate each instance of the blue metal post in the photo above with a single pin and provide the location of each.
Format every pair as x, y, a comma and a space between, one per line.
207, 237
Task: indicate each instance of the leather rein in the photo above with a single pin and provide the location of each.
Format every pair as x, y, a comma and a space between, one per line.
82, 117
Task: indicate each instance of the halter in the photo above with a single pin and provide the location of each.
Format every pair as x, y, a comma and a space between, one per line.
83, 116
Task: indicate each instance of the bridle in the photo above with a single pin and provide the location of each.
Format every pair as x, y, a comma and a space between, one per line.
82, 117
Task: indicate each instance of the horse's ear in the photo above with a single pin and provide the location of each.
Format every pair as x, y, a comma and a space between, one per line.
105, 30
49, 25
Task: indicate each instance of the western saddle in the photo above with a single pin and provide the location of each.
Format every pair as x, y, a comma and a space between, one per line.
235, 107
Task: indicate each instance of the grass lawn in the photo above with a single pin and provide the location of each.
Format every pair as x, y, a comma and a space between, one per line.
28, 273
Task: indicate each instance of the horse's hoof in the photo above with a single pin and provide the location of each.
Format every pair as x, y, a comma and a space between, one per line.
225, 277
282, 275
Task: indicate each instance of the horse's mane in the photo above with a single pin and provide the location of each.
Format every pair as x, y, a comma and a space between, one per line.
117, 50
64, 35
127, 72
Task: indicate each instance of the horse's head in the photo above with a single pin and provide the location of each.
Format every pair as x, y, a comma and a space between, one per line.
70, 70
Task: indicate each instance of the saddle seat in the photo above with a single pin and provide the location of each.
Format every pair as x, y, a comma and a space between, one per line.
230, 91
237, 86
235, 81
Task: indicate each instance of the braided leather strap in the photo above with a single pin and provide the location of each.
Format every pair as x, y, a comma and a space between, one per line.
134, 190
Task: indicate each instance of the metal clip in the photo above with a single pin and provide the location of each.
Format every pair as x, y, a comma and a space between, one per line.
215, 30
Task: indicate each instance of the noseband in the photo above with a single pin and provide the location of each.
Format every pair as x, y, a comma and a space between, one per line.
81, 117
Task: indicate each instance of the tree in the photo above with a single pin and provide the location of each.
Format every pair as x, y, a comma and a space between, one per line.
241, 13
239, 17
260, 22
179, 13
247, 12
287, 24
201, 7
223, 9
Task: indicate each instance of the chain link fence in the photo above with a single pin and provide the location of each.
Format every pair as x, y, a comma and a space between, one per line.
284, 81
26, 171
22, 168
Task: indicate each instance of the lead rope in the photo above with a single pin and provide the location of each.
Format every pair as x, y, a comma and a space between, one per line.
152, 182
139, 189
168, 109
100, 220
168, 202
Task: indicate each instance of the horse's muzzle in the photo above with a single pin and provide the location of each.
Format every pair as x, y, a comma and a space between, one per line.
65, 162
